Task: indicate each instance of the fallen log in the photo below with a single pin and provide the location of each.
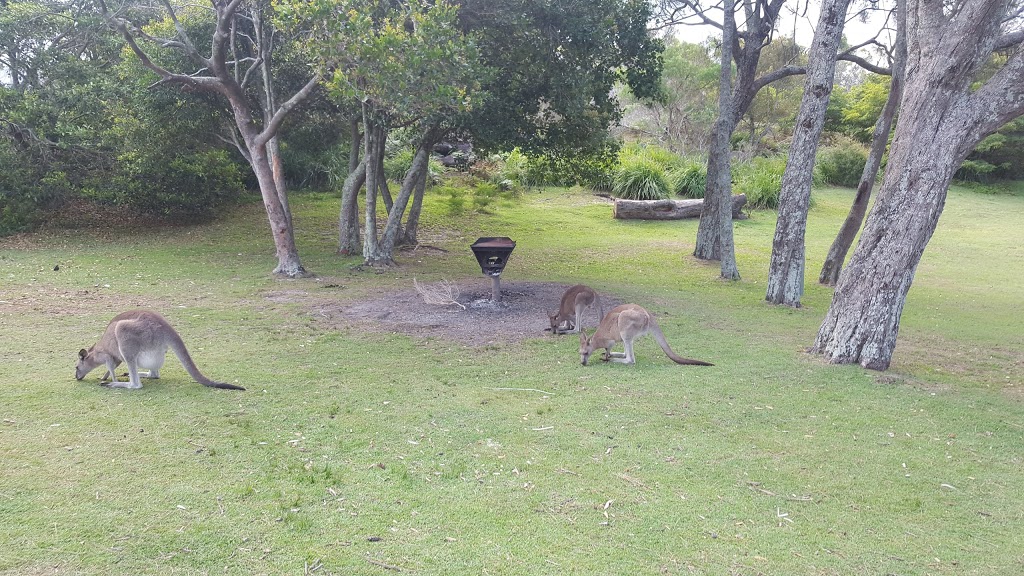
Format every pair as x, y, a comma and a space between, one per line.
669, 209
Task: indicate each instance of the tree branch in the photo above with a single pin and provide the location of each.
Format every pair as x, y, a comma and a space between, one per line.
1007, 41
270, 129
863, 63
776, 75
999, 101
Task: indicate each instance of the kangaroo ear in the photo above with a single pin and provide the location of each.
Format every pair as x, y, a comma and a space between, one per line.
82, 353
583, 336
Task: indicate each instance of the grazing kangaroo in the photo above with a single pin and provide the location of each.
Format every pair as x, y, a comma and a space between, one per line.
140, 339
570, 310
625, 324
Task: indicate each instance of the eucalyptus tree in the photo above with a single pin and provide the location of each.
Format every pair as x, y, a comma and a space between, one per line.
945, 111
237, 68
837, 252
786, 269
753, 27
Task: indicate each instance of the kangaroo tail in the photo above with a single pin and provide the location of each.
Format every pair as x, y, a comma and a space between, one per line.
186, 360
659, 336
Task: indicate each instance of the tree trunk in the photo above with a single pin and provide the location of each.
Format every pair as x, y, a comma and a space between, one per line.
412, 224
714, 233
393, 227
355, 143
382, 181
941, 120
371, 246
668, 209
833, 264
288, 263
348, 219
786, 270
218, 75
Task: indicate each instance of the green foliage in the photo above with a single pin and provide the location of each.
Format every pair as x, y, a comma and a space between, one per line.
689, 179
640, 178
842, 165
555, 66
684, 116
1002, 151
652, 152
587, 168
761, 180
405, 60
187, 187
975, 171
863, 104
397, 164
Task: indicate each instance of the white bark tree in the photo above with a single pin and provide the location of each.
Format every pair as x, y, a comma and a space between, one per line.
226, 73
945, 111
786, 270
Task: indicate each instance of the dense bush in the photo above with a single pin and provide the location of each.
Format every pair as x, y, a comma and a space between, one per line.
761, 180
689, 180
26, 189
183, 187
842, 165
640, 178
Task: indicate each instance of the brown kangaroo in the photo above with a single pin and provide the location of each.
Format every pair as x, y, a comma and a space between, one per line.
140, 339
625, 324
570, 310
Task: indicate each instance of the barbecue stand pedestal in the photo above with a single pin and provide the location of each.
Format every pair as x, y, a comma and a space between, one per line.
492, 253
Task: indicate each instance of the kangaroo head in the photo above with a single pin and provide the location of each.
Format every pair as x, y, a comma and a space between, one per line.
586, 347
554, 318
87, 361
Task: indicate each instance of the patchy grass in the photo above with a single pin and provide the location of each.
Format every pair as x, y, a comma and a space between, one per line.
355, 453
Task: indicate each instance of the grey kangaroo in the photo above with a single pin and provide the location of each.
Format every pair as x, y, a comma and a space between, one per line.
140, 339
570, 310
625, 324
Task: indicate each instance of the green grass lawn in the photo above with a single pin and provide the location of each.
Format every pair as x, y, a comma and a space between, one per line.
368, 453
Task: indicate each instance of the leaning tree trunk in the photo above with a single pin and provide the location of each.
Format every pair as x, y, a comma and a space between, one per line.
348, 218
288, 263
412, 223
714, 233
786, 270
371, 242
942, 118
833, 264
392, 231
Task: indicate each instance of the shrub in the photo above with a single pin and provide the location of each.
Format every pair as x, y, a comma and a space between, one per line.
185, 187
975, 171
842, 165
665, 158
640, 178
689, 180
761, 180
396, 165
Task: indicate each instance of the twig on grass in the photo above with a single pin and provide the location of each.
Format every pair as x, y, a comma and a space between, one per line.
383, 565
444, 293
524, 390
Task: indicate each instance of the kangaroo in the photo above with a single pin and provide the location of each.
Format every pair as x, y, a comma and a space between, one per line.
570, 310
625, 324
139, 338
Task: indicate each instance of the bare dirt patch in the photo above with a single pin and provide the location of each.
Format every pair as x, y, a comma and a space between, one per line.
521, 313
